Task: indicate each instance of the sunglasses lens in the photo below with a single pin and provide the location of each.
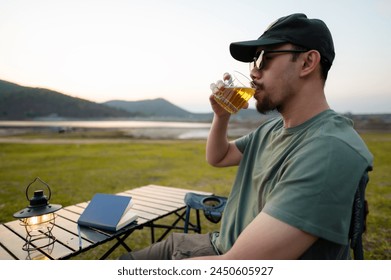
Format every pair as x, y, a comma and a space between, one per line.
257, 63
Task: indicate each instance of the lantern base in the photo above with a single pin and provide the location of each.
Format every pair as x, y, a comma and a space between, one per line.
39, 241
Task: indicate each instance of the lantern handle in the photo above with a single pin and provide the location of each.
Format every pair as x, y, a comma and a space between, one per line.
39, 179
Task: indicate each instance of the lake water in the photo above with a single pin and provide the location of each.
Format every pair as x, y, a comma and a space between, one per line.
133, 129
136, 129
104, 124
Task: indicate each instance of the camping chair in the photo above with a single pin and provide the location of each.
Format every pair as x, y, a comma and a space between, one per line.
213, 207
359, 217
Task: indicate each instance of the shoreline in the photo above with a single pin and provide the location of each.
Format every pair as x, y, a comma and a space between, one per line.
85, 135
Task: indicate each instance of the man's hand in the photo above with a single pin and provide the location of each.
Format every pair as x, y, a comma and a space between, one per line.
217, 87
221, 86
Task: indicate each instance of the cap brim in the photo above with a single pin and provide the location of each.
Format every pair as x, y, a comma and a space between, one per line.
245, 51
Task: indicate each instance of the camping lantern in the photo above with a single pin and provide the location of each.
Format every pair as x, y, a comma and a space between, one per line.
38, 219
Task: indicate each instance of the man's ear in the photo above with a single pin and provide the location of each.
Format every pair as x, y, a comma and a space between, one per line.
311, 60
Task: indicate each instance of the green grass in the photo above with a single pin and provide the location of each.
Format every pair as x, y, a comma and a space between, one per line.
76, 171
377, 239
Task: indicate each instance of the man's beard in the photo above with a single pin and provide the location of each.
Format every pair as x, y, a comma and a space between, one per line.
265, 106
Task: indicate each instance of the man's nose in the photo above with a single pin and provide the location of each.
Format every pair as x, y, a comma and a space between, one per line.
255, 74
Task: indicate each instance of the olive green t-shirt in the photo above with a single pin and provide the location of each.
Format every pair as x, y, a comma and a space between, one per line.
305, 176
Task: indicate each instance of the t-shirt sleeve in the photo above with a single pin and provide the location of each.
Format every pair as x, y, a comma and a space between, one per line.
316, 187
243, 141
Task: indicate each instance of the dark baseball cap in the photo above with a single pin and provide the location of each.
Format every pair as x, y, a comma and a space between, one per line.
297, 29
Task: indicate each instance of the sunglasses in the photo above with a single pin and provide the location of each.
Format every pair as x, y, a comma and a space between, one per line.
259, 61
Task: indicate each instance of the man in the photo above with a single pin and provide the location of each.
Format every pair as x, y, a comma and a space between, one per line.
293, 193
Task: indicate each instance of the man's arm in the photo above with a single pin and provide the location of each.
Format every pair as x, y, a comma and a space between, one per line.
268, 238
219, 151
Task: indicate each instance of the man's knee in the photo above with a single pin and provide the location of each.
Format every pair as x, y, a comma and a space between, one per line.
158, 251
176, 246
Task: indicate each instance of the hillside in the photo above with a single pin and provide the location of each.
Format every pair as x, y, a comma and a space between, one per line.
151, 108
21, 103
27, 103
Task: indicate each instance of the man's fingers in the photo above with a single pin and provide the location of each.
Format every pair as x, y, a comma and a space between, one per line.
216, 87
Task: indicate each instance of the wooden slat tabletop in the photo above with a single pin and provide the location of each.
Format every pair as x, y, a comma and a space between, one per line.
151, 203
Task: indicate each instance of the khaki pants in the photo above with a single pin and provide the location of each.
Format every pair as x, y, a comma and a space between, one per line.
177, 246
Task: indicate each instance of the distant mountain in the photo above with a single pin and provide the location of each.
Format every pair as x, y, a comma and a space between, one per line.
21, 103
26, 103
151, 108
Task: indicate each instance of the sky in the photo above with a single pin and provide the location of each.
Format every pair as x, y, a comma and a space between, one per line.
131, 50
